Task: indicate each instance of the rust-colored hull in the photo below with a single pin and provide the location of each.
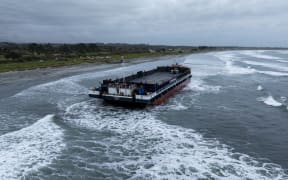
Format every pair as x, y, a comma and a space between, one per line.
153, 87
164, 97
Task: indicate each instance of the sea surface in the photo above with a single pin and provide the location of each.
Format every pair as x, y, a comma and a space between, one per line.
230, 122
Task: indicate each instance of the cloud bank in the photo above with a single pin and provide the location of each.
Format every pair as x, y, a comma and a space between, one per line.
186, 22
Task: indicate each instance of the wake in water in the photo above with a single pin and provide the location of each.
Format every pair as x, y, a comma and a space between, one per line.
27, 150
148, 148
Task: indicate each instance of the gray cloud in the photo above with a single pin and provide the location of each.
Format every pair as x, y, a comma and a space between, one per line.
189, 22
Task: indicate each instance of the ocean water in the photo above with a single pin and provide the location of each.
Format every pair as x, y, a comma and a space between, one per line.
230, 122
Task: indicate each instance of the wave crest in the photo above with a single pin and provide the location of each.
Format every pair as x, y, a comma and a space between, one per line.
30, 148
270, 101
146, 147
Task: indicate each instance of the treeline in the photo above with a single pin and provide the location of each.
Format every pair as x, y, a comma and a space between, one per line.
35, 52
26, 52
94, 47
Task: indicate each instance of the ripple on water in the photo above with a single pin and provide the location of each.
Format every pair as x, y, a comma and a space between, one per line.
141, 146
30, 148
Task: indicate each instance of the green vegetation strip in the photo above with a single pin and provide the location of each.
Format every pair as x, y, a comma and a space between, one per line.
28, 65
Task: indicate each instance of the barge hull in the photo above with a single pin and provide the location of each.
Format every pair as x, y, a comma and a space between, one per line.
160, 99
164, 97
152, 87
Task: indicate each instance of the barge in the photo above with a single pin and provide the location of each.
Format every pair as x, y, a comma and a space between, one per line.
151, 87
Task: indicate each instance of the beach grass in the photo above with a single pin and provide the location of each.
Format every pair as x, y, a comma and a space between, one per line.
7, 65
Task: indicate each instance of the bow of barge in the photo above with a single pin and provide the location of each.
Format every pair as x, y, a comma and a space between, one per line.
145, 87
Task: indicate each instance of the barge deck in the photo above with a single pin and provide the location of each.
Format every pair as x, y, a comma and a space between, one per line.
145, 87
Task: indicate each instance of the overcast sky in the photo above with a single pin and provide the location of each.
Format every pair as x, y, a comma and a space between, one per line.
175, 22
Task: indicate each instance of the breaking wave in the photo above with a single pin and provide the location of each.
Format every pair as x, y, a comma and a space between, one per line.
268, 65
30, 148
229, 59
272, 73
231, 68
259, 54
148, 148
283, 61
270, 101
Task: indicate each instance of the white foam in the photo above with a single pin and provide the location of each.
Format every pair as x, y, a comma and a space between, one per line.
204, 67
199, 85
230, 57
157, 150
226, 56
282, 52
280, 67
259, 88
259, 54
283, 61
270, 101
177, 106
283, 98
63, 86
30, 148
231, 68
272, 73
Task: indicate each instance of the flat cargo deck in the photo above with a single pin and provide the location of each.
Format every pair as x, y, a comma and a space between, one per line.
144, 87
155, 78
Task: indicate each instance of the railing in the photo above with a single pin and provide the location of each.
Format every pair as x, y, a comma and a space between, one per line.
150, 96
165, 86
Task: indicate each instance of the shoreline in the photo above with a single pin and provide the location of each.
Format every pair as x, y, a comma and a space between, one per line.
14, 81
82, 67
